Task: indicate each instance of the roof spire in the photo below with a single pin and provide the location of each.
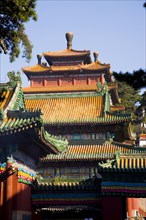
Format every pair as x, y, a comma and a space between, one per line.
39, 57
69, 37
95, 54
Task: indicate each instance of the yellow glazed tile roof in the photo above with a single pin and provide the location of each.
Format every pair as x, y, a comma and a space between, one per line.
65, 88
96, 149
132, 162
4, 97
49, 69
59, 88
96, 66
88, 152
74, 110
67, 52
70, 109
130, 158
36, 68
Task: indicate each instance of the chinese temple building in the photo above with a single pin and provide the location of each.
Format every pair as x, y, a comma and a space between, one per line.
66, 146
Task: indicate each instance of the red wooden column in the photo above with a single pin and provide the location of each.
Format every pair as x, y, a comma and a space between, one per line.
129, 207
132, 206
59, 82
114, 208
88, 81
17, 201
9, 194
102, 80
23, 199
31, 83
27, 205
1, 198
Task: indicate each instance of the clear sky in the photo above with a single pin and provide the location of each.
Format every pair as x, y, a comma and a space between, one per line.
116, 29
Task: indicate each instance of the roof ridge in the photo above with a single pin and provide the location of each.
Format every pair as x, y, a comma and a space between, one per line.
21, 113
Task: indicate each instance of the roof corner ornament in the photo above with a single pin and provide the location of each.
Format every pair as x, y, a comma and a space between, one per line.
95, 54
111, 163
102, 88
10, 159
39, 57
69, 37
14, 78
59, 142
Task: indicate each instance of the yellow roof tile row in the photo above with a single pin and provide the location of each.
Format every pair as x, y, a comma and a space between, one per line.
67, 52
60, 88
40, 68
132, 163
67, 109
89, 152
128, 159
94, 149
66, 88
36, 68
4, 97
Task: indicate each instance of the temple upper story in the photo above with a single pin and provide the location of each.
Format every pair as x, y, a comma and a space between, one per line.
68, 67
69, 56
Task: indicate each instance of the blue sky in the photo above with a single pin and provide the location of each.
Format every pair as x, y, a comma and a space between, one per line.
116, 29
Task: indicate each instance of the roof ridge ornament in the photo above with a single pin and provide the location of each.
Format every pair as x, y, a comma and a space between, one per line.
14, 77
39, 57
69, 37
95, 54
22, 113
102, 88
60, 143
111, 163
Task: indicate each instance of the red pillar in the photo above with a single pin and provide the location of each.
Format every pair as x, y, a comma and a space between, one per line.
26, 194
17, 201
23, 199
45, 82
9, 194
88, 81
102, 78
132, 206
59, 82
31, 83
1, 198
73, 81
114, 208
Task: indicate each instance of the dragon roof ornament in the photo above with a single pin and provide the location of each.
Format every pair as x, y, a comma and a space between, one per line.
60, 143
111, 163
104, 90
14, 78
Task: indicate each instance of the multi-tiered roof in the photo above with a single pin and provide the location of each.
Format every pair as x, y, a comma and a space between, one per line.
78, 96
78, 99
67, 70
16, 122
73, 90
